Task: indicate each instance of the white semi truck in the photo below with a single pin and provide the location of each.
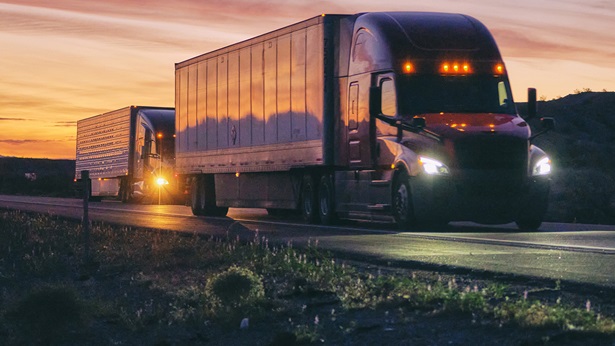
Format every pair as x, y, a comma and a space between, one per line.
129, 153
400, 114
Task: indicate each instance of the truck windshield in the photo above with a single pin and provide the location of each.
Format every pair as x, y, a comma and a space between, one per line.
422, 94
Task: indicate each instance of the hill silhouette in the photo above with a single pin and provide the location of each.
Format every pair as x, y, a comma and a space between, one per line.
44, 177
582, 148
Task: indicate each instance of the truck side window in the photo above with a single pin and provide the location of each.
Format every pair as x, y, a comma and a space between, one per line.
389, 97
359, 45
504, 99
145, 142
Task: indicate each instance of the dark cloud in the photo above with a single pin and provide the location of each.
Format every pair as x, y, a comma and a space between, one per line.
65, 124
28, 141
14, 119
155, 23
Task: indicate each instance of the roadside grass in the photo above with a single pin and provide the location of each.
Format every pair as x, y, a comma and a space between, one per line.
159, 287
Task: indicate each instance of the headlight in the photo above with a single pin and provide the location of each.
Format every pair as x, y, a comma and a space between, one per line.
433, 167
542, 167
161, 181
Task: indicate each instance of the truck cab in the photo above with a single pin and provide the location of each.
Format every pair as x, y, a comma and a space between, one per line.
430, 130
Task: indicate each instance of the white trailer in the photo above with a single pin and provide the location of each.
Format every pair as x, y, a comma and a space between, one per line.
129, 153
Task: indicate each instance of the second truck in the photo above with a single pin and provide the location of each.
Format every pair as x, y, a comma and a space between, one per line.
400, 114
129, 154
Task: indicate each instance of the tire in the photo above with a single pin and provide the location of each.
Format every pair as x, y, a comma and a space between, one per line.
534, 210
403, 209
203, 197
90, 197
276, 211
326, 198
196, 199
124, 194
528, 224
309, 200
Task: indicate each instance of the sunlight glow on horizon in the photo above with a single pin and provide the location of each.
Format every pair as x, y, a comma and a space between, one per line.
68, 59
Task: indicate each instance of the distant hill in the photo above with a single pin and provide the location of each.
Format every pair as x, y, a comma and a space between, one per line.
36, 176
582, 147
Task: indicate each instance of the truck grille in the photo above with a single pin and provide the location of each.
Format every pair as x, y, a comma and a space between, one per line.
491, 152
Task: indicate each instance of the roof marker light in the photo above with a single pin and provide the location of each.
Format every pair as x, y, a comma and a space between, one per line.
499, 69
455, 68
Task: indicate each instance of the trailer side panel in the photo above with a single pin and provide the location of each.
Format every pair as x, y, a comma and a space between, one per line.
255, 106
103, 144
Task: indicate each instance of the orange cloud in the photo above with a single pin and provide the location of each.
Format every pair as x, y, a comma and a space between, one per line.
69, 59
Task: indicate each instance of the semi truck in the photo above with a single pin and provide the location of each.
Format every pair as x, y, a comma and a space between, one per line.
405, 116
129, 153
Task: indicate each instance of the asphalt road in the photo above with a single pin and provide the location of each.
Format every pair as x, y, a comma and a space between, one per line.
573, 253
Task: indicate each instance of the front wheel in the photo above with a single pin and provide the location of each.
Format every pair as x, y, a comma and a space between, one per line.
529, 224
534, 209
403, 209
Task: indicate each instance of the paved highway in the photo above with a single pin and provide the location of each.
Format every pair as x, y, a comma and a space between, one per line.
567, 252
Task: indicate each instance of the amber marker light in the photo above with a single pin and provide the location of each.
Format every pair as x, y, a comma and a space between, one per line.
159, 134
408, 67
455, 68
499, 69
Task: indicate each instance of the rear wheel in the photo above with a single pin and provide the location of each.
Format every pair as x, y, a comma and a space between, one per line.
90, 197
326, 193
309, 200
403, 209
124, 194
196, 203
203, 197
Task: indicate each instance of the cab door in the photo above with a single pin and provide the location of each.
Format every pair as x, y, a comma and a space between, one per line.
379, 184
354, 139
358, 125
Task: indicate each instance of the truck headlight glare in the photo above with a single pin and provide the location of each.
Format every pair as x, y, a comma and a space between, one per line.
161, 181
542, 167
433, 167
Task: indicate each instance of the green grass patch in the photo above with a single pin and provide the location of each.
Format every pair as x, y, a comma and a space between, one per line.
151, 286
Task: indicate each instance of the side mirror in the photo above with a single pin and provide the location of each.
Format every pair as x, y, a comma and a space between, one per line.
547, 124
531, 103
418, 122
375, 101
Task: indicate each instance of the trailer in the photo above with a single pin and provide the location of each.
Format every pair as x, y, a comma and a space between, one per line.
129, 153
407, 115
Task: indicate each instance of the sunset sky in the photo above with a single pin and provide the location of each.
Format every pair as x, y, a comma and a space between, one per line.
64, 60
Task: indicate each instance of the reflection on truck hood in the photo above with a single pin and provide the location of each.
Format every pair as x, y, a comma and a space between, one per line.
456, 125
